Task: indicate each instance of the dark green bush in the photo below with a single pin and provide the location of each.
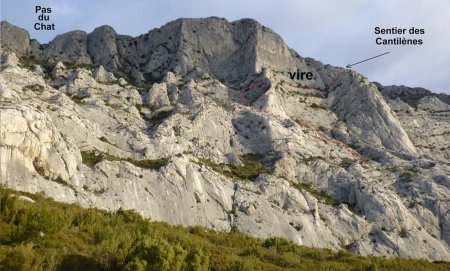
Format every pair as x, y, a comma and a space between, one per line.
345, 162
320, 195
91, 158
250, 169
34, 88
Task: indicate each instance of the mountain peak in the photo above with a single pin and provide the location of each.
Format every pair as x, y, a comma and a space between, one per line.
224, 131
230, 51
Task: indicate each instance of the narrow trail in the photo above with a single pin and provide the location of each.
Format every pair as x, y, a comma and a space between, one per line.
317, 134
262, 82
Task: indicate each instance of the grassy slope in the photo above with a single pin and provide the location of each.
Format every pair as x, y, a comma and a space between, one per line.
47, 235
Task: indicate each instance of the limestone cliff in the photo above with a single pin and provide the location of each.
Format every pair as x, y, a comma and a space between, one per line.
198, 123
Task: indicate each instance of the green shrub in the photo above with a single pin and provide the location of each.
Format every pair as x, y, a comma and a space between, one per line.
29, 62
403, 233
34, 88
91, 158
88, 239
320, 195
160, 116
250, 169
76, 262
76, 99
149, 164
136, 264
22, 258
160, 256
407, 175
104, 139
280, 244
316, 106
345, 162
308, 160
198, 259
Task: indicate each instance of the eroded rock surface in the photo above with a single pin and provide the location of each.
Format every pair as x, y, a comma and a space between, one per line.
204, 127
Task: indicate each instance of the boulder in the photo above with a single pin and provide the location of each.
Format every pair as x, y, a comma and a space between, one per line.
157, 96
103, 76
59, 70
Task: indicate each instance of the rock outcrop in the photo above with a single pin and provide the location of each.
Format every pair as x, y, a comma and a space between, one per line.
14, 38
204, 127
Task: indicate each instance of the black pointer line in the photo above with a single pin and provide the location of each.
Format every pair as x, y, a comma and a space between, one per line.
350, 65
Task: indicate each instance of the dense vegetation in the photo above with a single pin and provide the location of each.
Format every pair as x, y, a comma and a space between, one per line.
46, 235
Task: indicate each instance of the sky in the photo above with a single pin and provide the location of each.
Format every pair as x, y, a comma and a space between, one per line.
336, 32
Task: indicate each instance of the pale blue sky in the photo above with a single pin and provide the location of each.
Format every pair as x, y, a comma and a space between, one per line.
336, 32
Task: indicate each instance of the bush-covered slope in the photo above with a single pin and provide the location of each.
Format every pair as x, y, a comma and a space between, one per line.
46, 235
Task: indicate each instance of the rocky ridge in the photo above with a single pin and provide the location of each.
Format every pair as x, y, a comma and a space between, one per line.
197, 123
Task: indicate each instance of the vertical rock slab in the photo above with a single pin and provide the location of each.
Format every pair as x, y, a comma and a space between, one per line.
14, 38
360, 105
102, 48
69, 47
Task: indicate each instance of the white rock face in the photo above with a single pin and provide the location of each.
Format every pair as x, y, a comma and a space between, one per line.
102, 46
68, 47
14, 38
359, 104
157, 96
32, 139
9, 59
335, 162
103, 76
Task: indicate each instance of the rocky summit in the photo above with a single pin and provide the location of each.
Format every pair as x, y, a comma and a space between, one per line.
200, 123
